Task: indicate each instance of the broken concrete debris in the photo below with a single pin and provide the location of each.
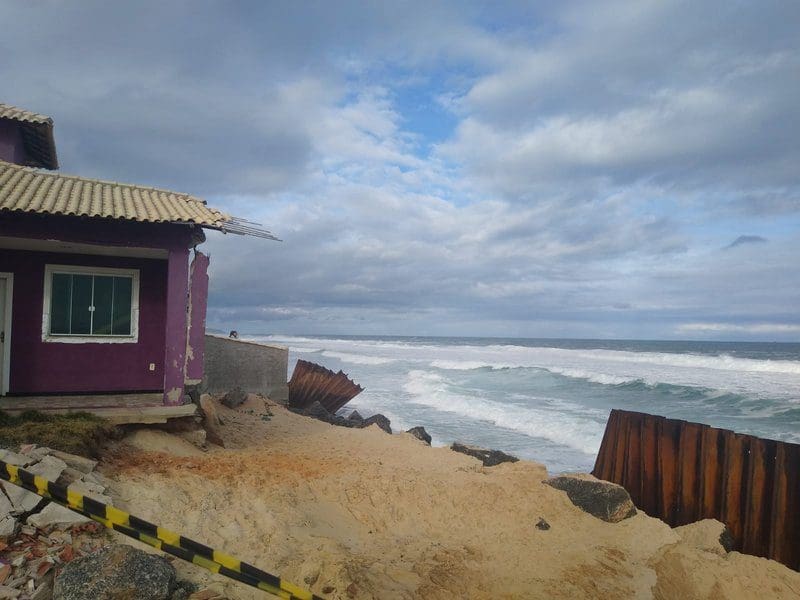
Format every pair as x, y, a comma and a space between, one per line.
33, 532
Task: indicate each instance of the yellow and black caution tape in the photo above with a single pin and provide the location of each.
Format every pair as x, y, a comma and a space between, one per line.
153, 535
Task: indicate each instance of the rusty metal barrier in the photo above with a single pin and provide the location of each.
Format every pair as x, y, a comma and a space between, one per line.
683, 472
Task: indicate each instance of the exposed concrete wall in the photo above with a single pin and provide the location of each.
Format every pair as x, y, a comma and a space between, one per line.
257, 368
198, 299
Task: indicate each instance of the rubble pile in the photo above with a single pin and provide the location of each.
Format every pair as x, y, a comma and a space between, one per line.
19, 506
37, 536
30, 561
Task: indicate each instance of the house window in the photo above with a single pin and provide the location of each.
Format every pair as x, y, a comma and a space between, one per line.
90, 304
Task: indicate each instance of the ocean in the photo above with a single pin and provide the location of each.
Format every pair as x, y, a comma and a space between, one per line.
548, 400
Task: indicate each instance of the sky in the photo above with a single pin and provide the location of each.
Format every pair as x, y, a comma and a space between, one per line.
513, 169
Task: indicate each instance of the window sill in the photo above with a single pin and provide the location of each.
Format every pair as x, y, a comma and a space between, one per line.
88, 339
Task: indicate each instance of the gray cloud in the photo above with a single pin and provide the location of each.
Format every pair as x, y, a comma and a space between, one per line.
600, 159
746, 239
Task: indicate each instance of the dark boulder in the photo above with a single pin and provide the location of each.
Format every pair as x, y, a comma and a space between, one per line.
602, 499
234, 398
317, 411
378, 420
420, 434
488, 457
355, 417
116, 572
542, 524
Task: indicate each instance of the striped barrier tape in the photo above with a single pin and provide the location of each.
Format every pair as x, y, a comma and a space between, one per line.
155, 536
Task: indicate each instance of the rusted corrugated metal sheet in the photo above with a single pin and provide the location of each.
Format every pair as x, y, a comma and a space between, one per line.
314, 383
682, 472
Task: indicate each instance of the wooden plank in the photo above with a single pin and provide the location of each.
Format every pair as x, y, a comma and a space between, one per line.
620, 449
733, 486
688, 473
784, 542
649, 474
603, 462
682, 472
760, 475
668, 440
632, 480
711, 460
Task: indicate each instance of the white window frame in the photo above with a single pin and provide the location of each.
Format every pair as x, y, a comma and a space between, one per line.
66, 338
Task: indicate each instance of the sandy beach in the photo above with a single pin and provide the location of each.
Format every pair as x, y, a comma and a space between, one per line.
364, 514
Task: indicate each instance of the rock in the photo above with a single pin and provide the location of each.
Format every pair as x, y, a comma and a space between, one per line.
317, 411
542, 524
211, 421
21, 499
54, 514
234, 397
49, 467
8, 526
355, 416
378, 420
602, 499
420, 434
92, 490
44, 591
13, 458
69, 476
35, 452
6, 507
116, 572
9, 592
488, 457
79, 463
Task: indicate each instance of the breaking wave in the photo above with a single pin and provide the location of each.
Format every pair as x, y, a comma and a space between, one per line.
558, 421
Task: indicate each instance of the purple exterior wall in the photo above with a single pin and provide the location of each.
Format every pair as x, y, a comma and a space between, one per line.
176, 325
39, 367
49, 367
198, 301
12, 148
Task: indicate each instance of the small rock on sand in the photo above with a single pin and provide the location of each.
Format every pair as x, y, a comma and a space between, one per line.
488, 457
234, 398
602, 499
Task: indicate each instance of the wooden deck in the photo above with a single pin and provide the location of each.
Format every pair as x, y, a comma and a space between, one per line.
119, 409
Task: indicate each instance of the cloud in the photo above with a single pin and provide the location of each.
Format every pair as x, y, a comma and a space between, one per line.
746, 239
557, 169
755, 328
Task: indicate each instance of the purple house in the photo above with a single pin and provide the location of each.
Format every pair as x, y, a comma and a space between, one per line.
102, 289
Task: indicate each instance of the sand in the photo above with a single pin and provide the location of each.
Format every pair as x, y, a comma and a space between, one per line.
371, 515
